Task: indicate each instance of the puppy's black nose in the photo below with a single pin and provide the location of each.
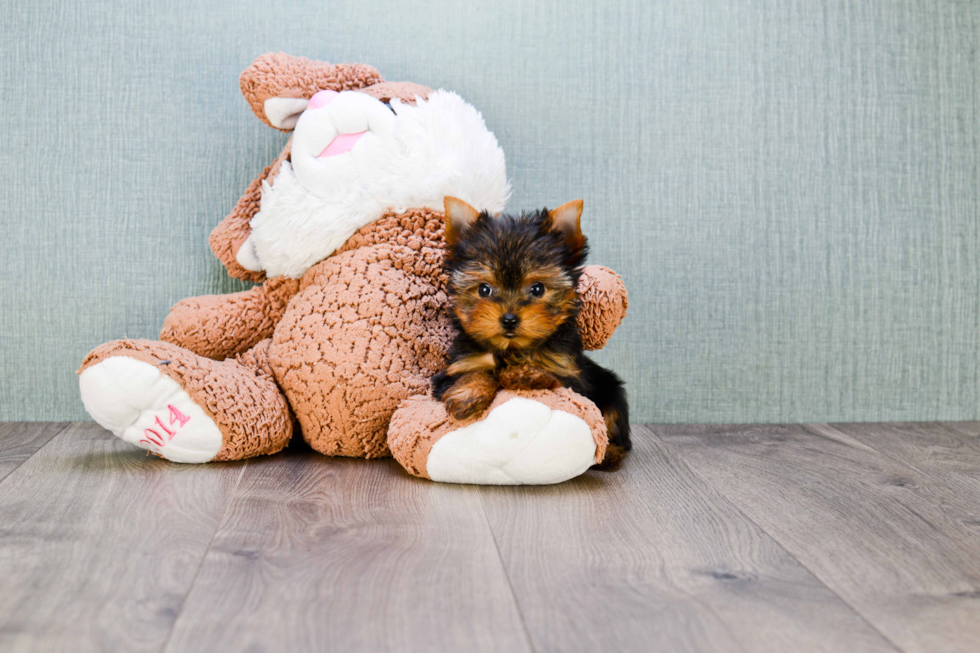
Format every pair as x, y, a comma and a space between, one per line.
509, 321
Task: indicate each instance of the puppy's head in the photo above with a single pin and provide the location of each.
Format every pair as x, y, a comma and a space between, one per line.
514, 278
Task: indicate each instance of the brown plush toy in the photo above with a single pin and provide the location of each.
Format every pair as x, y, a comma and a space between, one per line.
344, 234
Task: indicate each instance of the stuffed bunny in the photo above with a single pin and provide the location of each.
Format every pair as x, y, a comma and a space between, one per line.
344, 235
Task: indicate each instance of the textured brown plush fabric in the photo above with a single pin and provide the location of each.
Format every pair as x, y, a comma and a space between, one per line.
604, 304
361, 332
421, 421
368, 329
244, 402
219, 326
404, 91
282, 75
231, 232
229, 235
257, 358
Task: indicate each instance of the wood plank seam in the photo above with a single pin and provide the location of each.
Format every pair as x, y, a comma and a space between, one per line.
99, 542
649, 429
652, 557
64, 426
204, 556
503, 568
814, 429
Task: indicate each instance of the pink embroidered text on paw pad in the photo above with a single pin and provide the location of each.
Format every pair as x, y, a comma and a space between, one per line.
146, 408
160, 435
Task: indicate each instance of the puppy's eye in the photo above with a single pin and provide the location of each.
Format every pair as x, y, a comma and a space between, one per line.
537, 288
485, 290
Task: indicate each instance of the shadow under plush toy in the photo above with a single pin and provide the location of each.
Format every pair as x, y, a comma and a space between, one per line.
345, 234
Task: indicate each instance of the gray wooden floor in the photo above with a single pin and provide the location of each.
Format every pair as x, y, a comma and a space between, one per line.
860, 537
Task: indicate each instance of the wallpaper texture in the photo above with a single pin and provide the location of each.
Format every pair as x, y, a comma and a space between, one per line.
789, 187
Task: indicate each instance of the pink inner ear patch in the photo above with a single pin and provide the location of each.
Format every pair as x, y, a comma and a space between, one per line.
342, 143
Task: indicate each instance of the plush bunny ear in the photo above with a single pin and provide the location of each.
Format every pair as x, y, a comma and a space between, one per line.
459, 217
567, 220
277, 85
284, 112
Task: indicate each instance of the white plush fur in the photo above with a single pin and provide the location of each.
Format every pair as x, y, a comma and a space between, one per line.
413, 157
521, 442
128, 396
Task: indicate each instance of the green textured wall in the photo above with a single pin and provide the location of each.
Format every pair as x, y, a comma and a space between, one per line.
789, 187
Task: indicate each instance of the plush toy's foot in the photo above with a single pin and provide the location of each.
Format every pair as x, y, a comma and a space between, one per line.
144, 407
524, 438
181, 406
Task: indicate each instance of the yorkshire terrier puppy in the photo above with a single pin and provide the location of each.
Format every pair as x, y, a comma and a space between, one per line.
513, 283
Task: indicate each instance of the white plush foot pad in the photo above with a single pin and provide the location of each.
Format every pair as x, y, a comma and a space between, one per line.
521, 442
144, 407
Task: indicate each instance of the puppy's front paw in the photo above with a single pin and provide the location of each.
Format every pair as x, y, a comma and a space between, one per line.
470, 395
527, 377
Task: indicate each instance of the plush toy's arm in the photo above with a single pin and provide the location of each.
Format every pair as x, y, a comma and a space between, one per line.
220, 326
231, 232
604, 304
276, 78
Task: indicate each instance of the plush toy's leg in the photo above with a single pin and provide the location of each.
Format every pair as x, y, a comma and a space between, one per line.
222, 326
367, 332
524, 438
184, 407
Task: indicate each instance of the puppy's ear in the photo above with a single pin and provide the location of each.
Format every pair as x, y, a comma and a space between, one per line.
567, 220
460, 216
